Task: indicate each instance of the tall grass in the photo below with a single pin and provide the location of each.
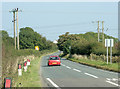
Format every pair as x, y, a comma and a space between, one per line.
11, 58
96, 61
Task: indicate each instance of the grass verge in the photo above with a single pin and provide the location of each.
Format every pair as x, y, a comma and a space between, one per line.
98, 64
31, 78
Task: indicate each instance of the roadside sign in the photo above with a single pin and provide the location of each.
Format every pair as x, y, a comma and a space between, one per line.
36, 47
109, 42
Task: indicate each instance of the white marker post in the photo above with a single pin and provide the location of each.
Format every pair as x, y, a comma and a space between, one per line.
19, 70
28, 62
25, 66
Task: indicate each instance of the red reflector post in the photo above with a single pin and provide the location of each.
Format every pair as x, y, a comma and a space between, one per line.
25, 63
19, 66
28, 60
8, 83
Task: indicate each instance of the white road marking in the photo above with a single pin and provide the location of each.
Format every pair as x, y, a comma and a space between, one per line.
114, 79
52, 82
107, 78
62, 64
77, 70
91, 75
112, 83
68, 67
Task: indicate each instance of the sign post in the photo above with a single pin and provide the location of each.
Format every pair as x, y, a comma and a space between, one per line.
109, 43
107, 50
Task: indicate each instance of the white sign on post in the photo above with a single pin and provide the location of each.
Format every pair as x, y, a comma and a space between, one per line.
109, 43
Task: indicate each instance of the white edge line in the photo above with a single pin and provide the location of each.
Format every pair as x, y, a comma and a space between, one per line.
68, 67
112, 83
52, 82
77, 70
91, 75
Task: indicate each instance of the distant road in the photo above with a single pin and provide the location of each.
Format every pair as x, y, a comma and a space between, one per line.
71, 74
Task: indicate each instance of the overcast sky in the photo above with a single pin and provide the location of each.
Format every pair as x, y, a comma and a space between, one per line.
52, 19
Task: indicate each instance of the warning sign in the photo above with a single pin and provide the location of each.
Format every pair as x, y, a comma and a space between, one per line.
36, 47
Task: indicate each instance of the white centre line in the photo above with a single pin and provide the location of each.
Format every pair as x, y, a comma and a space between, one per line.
68, 67
52, 83
91, 75
108, 79
77, 70
112, 83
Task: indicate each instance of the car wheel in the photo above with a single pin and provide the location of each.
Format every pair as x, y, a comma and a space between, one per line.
48, 65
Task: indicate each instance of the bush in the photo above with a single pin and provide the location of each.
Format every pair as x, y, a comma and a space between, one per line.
11, 57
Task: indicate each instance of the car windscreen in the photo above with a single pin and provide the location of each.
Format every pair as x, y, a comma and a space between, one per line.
54, 58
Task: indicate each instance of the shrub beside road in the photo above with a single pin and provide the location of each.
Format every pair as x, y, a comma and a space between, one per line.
11, 57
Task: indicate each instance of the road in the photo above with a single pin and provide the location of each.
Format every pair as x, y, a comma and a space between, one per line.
71, 74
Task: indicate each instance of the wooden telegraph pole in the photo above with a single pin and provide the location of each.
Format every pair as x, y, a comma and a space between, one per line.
17, 29
103, 31
14, 29
98, 31
16, 11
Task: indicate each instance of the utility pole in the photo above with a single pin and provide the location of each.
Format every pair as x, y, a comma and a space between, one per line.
98, 31
103, 31
17, 29
14, 29
14, 10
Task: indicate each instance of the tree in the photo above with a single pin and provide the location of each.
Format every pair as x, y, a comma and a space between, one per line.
84, 44
29, 39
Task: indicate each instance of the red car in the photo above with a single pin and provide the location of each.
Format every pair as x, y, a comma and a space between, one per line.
54, 60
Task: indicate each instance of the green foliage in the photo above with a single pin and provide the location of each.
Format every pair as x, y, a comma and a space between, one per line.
10, 55
98, 48
29, 39
4, 34
84, 44
6, 39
